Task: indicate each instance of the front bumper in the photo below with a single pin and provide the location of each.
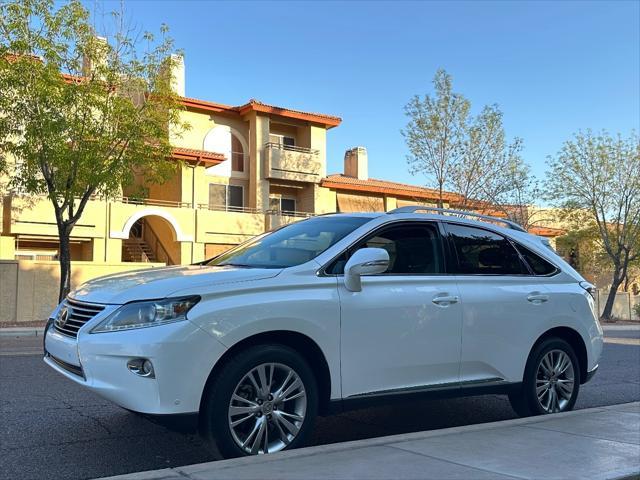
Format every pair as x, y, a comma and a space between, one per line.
182, 355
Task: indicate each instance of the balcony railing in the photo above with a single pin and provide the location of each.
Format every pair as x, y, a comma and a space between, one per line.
287, 213
292, 148
152, 202
228, 208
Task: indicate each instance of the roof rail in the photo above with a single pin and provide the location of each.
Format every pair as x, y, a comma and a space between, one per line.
457, 213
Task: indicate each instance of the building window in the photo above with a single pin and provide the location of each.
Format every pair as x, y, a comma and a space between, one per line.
282, 140
226, 197
237, 155
284, 205
287, 205
235, 196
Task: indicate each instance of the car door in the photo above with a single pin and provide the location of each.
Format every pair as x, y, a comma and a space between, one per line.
402, 330
504, 304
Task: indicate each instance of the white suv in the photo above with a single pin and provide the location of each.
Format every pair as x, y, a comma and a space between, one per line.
330, 313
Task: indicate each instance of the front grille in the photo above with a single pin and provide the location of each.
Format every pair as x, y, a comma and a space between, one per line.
67, 366
77, 314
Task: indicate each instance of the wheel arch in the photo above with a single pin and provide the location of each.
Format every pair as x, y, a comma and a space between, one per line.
573, 338
301, 343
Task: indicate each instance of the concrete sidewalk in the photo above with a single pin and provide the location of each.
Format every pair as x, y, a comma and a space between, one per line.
595, 443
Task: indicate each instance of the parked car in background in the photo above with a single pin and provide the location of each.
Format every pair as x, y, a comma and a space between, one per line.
330, 313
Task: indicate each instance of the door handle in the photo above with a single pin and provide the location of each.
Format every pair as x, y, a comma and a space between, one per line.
445, 300
537, 298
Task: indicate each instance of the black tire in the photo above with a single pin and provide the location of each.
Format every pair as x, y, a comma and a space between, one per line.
215, 424
524, 401
519, 404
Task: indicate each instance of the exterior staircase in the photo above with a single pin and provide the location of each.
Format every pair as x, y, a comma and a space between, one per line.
137, 250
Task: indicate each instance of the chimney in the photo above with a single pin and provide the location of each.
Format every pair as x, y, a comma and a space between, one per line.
177, 74
98, 57
356, 164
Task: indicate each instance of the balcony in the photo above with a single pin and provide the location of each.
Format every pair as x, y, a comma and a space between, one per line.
223, 224
33, 215
275, 218
287, 162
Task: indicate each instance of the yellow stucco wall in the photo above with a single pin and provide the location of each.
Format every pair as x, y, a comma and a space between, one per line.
29, 289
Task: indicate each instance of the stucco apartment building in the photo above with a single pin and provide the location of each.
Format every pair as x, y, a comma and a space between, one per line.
245, 170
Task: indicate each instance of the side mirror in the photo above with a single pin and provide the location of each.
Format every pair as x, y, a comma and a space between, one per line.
366, 261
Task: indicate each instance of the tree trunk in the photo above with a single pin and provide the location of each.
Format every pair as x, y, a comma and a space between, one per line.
64, 233
608, 307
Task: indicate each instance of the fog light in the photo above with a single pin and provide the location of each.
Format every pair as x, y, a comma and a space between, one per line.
141, 367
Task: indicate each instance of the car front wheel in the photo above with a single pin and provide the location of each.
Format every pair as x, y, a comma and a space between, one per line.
263, 401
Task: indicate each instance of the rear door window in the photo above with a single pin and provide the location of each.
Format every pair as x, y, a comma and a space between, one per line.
482, 252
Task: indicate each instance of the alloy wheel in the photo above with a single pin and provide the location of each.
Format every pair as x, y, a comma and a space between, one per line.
267, 409
555, 381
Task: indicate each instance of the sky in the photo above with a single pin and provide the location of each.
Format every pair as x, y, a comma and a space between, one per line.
553, 67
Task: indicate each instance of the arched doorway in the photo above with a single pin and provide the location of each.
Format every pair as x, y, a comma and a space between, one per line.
151, 239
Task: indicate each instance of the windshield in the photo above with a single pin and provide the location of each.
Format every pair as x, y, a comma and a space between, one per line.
291, 245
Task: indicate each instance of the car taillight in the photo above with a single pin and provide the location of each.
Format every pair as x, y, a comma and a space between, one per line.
589, 288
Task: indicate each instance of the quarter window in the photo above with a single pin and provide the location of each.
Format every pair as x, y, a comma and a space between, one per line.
538, 264
481, 252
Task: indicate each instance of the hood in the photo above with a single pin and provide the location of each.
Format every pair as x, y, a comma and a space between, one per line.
155, 283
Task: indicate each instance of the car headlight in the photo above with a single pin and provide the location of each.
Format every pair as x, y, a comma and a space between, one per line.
147, 314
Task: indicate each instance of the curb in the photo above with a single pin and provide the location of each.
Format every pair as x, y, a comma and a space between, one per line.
21, 332
613, 328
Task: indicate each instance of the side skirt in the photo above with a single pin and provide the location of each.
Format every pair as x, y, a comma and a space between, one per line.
414, 394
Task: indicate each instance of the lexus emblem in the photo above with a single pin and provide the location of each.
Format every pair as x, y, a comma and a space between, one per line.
63, 316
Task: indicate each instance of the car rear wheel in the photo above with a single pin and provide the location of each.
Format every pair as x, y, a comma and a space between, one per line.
551, 381
263, 401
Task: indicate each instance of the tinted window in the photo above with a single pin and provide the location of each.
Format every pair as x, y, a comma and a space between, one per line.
236, 196
291, 245
483, 252
413, 249
538, 264
288, 205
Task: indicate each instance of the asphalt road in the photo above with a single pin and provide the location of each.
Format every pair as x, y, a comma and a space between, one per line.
50, 428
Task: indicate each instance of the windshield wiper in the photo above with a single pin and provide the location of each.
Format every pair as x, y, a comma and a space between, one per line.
241, 265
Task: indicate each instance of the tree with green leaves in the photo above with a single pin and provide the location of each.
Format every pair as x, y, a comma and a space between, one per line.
596, 177
514, 190
80, 113
436, 131
469, 155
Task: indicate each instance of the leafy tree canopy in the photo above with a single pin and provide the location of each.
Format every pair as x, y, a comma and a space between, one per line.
79, 113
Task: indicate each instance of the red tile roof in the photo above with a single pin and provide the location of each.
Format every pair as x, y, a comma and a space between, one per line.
257, 106
546, 231
343, 182
195, 156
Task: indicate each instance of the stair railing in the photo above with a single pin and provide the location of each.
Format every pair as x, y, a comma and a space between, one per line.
162, 254
136, 252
